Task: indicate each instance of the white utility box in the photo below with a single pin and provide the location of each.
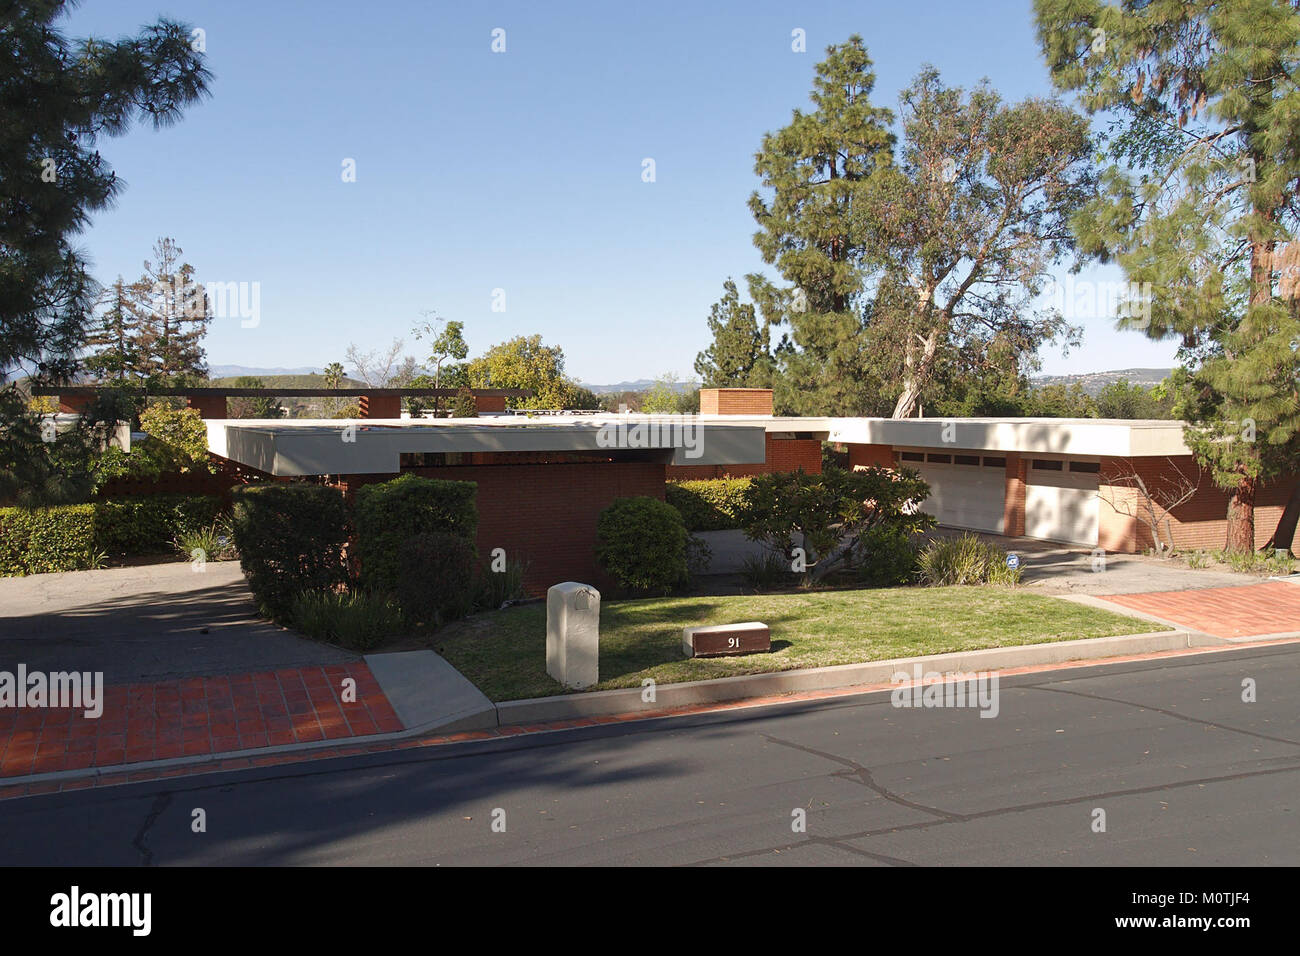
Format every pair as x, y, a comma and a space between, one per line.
573, 634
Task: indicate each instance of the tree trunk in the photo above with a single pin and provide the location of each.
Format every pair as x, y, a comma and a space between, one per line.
1241, 516
914, 377
1284, 535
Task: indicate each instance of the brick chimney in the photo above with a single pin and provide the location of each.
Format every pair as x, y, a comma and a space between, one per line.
735, 401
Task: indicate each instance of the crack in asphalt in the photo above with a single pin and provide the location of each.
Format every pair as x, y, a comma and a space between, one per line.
838, 839
160, 803
1167, 713
864, 777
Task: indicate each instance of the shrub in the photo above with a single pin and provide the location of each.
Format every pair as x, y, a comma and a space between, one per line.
768, 570
290, 539
41, 540
827, 515
495, 588
387, 514
214, 542
641, 543
965, 560
464, 405
435, 577
714, 504
886, 556
148, 524
355, 620
178, 441
68, 537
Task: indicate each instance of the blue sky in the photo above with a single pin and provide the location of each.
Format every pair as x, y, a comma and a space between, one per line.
518, 171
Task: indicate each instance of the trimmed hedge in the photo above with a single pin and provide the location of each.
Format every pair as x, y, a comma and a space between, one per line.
435, 580
641, 543
68, 537
145, 524
40, 540
385, 515
711, 504
290, 539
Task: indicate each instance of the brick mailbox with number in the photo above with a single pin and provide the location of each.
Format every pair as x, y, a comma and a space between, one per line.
722, 639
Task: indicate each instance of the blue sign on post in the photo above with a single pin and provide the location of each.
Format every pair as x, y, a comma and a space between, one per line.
1013, 561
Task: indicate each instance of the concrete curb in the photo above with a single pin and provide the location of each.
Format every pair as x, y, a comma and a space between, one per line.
429, 694
672, 696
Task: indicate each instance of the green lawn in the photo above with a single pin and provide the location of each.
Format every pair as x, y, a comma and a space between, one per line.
504, 652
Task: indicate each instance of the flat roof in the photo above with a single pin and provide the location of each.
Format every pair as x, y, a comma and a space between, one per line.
315, 446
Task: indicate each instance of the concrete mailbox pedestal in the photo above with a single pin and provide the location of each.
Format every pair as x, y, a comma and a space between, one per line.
573, 634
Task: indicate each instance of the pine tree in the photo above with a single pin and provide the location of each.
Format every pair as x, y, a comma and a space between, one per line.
1200, 207
741, 353
173, 314
59, 97
112, 341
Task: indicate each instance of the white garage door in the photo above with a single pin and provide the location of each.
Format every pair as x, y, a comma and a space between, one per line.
1061, 502
964, 491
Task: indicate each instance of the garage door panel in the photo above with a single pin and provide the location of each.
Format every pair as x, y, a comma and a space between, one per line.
1062, 506
965, 496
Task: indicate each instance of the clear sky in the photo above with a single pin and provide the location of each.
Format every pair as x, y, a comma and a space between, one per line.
518, 171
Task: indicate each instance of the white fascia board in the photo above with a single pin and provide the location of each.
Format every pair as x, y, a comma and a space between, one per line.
375, 446
1051, 436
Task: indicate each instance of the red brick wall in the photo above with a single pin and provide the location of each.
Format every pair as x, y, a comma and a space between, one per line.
861, 456
546, 514
1200, 523
490, 403
209, 406
735, 401
1013, 495
381, 406
782, 454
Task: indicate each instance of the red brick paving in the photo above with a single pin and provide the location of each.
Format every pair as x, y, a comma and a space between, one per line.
1252, 610
363, 747
196, 716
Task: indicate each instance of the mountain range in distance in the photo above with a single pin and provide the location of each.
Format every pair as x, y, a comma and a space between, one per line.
1093, 382
1090, 382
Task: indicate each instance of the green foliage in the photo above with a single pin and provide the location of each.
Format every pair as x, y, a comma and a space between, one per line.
264, 406
741, 352
886, 556
290, 539
767, 571
464, 406
524, 362
498, 587
177, 442
42, 540
1131, 401
212, 542
387, 514
667, 397
1199, 205
436, 577
965, 560
149, 524
641, 543
827, 515
710, 504
73, 537
355, 620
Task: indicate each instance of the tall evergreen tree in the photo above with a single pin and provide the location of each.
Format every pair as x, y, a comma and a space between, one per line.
816, 173
113, 337
741, 353
1200, 200
173, 314
57, 98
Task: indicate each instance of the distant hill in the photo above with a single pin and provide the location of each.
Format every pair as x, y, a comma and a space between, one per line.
234, 371
640, 385
1093, 382
285, 381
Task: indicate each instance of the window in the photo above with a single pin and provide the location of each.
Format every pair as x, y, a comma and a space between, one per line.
913, 456
995, 463
966, 459
939, 459
1091, 467
1046, 464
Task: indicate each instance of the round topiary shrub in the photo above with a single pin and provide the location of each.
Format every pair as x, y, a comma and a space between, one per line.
641, 544
435, 577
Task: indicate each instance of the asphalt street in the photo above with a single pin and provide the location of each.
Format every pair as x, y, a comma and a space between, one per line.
1186, 772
